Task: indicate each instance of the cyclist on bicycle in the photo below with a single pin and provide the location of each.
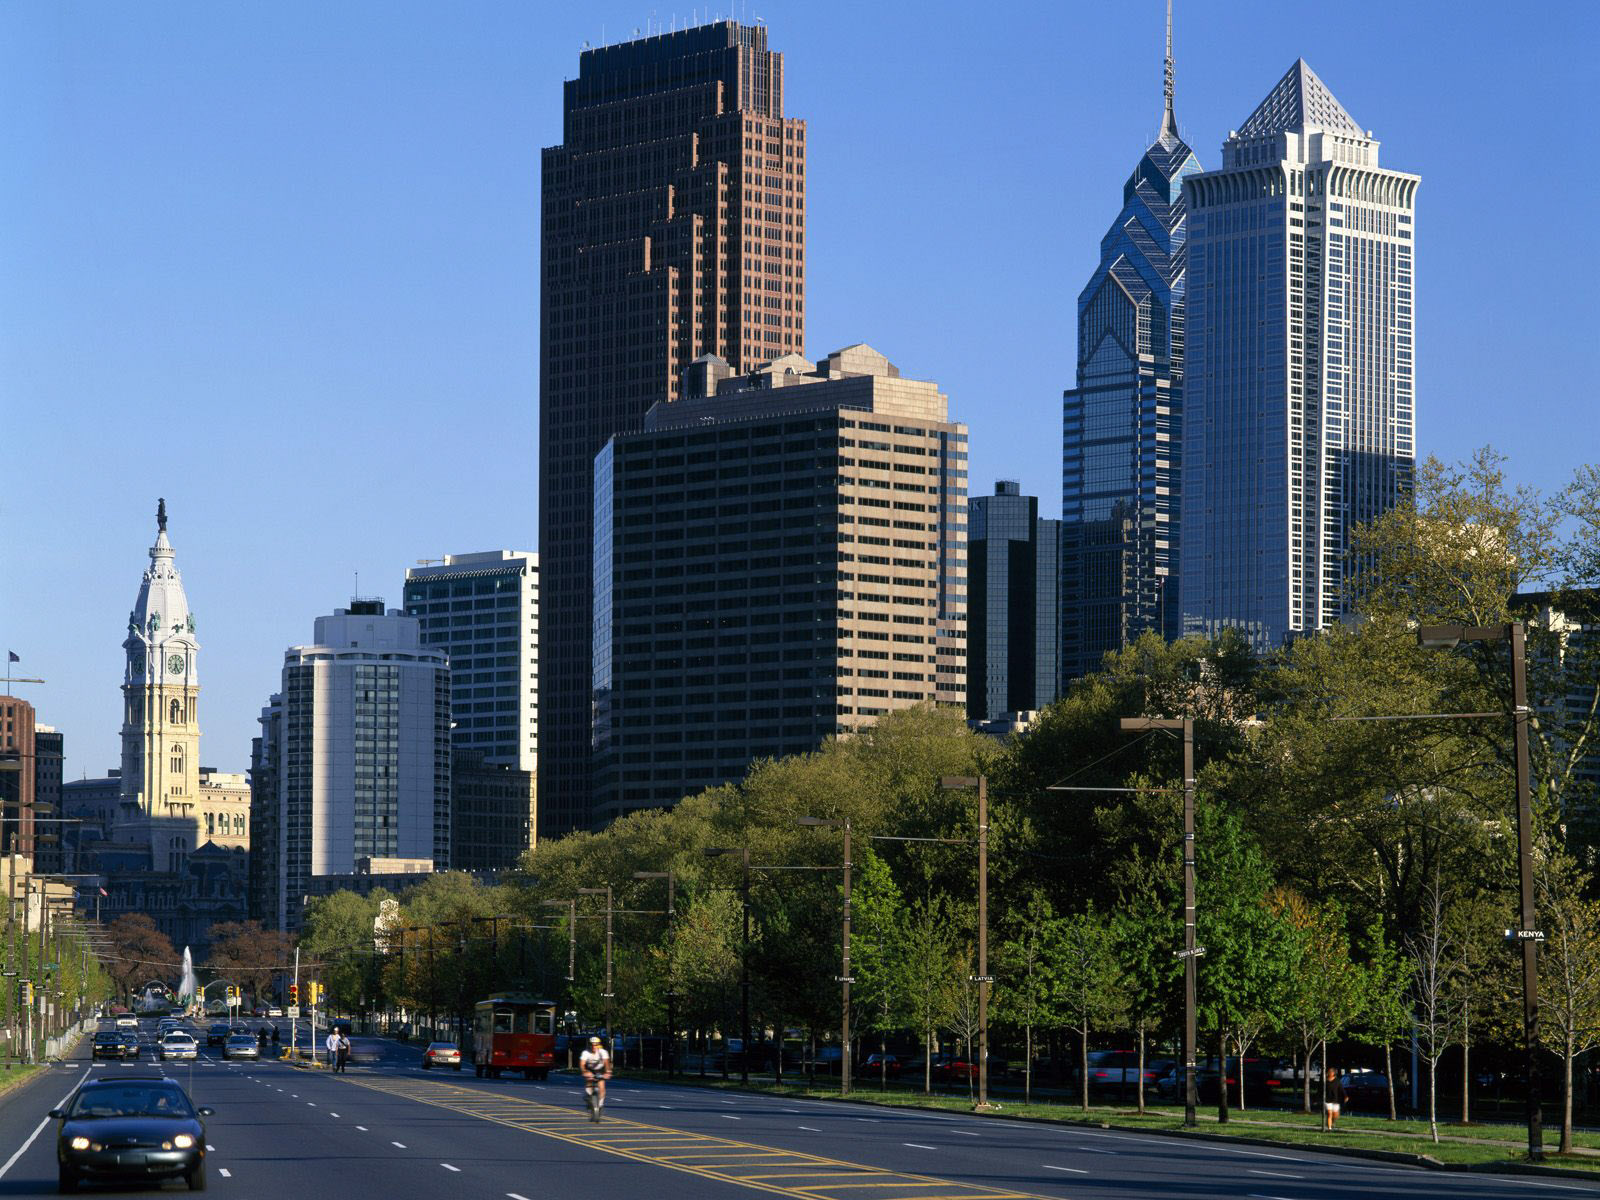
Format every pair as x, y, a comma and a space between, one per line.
595, 1065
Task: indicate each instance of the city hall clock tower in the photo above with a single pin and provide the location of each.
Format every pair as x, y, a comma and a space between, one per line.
160, 716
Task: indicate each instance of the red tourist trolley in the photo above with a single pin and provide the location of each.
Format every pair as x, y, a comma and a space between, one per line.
514, 1032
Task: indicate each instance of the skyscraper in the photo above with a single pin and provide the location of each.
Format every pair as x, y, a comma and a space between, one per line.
1299, 405
483, 611
1013, 624
778, 560
673, 226
1120, 465
362, 739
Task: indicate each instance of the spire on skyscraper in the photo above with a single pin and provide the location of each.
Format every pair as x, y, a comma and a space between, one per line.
1299, 102
1169, 119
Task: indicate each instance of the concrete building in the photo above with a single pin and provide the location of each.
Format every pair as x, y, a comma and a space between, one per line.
1299, 408
267, 839
49, 837
18, 777
1121, 464
494, 813
673, 225
1013, 623
780, 558
362, 751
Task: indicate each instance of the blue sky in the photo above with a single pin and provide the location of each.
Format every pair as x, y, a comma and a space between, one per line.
278, 262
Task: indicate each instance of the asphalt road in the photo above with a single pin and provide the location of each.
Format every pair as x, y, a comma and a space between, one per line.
394, 1130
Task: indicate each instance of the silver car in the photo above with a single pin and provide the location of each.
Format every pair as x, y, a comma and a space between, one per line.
241, 1045
178, 1045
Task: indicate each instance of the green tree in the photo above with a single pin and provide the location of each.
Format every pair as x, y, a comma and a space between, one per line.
931, 967
1148, 932
1027, 989
705, 956
1386, 1008
1569, 975
880, 995
1090, 979
1327, 990
339, 942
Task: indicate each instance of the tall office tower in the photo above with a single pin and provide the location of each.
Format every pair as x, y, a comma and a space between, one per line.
49, 749
364, 767
19, 773
673, 226
483, 611
772, 569
1013, 622
267, 840
1299, 406
1120, 468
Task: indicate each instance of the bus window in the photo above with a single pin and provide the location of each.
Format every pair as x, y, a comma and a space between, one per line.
544, 1020
502, 1020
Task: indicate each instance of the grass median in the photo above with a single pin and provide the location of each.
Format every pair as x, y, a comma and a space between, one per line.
1459, 1145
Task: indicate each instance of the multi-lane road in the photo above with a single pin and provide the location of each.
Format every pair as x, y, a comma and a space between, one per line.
393, 1130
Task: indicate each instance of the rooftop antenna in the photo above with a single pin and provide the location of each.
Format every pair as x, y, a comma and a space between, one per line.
1169, 121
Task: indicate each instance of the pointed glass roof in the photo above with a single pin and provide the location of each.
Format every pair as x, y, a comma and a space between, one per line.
1300, 101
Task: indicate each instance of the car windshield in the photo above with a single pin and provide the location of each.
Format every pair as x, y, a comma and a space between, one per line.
130, 1100
442, 1046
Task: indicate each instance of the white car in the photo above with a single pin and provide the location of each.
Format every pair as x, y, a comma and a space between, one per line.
178, 1045
127, 1021
274, 1012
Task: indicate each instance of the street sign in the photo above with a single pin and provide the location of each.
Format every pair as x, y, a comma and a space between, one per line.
1197, 952
1524, 935
294, 1012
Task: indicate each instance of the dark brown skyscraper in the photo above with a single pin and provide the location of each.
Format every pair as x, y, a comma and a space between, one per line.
673, 226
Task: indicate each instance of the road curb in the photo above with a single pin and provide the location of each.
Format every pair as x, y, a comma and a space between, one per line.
1399, 1157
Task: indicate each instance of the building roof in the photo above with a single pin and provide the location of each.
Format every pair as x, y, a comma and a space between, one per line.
1300, 101
161, 615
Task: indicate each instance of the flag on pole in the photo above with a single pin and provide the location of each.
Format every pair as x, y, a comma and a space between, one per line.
11, 656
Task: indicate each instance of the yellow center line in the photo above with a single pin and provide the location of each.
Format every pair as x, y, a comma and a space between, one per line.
721, 1159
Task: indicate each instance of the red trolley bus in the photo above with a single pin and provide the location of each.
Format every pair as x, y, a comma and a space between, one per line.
514, 1032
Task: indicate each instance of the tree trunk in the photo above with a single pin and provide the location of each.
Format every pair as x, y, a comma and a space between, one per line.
1433, 1098
1466, 1069
1027, 1066
1241, 1044
1566, 1099
927, 1062
1222, 1075
1305, 1080
1140, 1083
1083, 1062
1388, 1073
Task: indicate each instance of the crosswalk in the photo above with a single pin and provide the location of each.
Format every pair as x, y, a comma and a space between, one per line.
765, 1168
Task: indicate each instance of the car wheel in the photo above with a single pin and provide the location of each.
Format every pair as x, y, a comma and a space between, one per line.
458, 1066
424, 1064
67, 1181
196, 1178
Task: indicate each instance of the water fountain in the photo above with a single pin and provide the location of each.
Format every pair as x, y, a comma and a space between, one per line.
189, 987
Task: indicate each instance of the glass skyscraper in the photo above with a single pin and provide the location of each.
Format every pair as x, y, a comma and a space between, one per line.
1120, 469
1299, 402
1012, 619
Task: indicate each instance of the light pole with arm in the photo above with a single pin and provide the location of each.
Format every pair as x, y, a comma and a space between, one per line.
1190, 952
672, 966
983, 978
607, 994
744, 958
1528, 933
845, 979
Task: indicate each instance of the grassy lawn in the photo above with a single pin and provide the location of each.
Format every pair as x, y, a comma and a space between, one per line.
1458, 1144
19, 1074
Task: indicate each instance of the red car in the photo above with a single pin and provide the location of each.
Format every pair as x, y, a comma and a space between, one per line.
441, 1054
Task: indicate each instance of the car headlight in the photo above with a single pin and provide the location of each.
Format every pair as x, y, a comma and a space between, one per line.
80, 1143
183, 1141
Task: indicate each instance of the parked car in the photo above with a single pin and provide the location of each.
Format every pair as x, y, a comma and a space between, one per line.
1261, 1083
1118, 1071
177, 1045
241, 1045
882, 1065
108, 1044
219, 1034
130, 1127
1367, 1090
441, 1054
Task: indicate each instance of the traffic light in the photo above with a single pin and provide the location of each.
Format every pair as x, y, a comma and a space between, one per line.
294, 993
316, 994
25, 993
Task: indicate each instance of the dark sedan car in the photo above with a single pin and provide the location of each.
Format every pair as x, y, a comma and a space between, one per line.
130, 1044
108, 1043
219, 1034
130, 1128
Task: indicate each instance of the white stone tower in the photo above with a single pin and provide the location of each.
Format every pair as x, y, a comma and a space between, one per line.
161, 719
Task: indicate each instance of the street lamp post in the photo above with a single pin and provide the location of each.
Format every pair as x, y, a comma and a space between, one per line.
607, 994
744, 959
672, 976
845, 979
983, 978
1528, 933
572, 957
1191, 952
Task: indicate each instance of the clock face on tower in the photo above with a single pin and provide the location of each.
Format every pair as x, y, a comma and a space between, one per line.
138, 662
175, 664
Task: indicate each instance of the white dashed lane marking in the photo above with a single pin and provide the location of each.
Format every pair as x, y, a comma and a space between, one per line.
401, 1145
918, 1146
363, 1128
448, 1167
1275, 1174
1074, 1170
224, 1172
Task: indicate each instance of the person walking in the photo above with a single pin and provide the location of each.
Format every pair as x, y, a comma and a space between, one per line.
344, 1053
1332, 1100
331, 1046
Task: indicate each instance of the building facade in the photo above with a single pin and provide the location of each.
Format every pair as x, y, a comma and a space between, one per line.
19, 773
1299, 404
673, 225
1121, 469
779, 558
1013, 623
49, 837
494, 812
363, 767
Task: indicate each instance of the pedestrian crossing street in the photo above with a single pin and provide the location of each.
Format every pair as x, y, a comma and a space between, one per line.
766, 1168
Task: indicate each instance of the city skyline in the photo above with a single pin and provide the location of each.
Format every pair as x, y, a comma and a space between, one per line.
122, 319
